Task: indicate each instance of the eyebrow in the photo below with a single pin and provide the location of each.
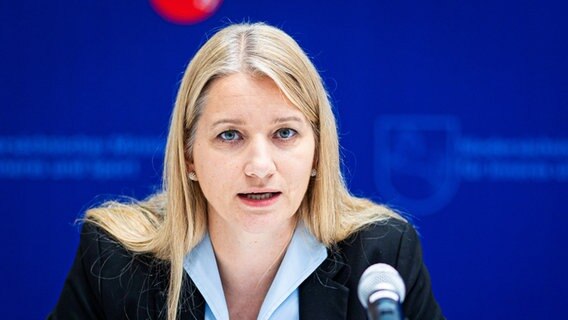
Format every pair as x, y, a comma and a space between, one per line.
241, 122
227, 121
287, 119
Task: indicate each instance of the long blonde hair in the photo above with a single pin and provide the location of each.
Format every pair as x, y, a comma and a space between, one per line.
170, 223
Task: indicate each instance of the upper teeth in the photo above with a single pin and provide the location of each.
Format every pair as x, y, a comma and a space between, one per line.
259, 196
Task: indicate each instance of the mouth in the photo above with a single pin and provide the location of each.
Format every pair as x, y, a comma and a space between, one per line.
260, 198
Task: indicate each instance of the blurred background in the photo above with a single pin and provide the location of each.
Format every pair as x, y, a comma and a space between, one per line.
453, 112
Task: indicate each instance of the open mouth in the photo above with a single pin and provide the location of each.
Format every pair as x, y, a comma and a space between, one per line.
259, 196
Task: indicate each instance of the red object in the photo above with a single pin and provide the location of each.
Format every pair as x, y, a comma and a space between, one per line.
185, 11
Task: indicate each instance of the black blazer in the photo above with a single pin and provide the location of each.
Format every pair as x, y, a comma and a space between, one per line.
108, 282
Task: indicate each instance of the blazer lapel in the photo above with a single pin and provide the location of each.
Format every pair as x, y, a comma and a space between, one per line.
322, 297
192, 302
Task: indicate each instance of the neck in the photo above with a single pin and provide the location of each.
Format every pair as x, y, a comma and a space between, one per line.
248, 264
243, 255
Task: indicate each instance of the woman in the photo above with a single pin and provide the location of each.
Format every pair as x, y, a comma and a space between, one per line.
254, 220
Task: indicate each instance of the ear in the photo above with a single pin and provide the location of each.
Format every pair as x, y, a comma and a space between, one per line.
316, 158
189, 165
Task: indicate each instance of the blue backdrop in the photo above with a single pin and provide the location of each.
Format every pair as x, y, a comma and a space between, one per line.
453, 112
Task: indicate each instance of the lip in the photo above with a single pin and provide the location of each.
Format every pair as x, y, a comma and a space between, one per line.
260, 190
260, 203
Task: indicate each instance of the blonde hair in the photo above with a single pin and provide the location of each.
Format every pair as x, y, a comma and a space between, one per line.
170, 223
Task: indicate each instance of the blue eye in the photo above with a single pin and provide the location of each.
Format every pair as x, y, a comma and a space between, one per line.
229, 135
286, 133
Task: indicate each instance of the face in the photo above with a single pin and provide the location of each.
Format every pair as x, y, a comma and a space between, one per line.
253, 154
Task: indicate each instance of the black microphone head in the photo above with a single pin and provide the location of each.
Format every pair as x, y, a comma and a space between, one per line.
377, 277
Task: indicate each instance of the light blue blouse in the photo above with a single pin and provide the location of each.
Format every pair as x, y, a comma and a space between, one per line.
303, 256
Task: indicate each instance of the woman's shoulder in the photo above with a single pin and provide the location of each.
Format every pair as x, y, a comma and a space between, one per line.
391, 240
107, 279
395, 242
109, 258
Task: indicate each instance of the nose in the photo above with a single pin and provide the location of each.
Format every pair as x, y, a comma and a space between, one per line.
260, 161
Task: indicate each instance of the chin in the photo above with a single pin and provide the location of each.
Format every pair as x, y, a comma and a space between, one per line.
264, 223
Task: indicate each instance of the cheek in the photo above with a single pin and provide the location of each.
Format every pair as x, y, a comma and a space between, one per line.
217, 167
216, 176
298, 167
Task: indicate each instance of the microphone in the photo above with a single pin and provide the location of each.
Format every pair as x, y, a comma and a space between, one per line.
381, 291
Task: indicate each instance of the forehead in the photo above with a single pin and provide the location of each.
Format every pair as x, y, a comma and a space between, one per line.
242, 95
